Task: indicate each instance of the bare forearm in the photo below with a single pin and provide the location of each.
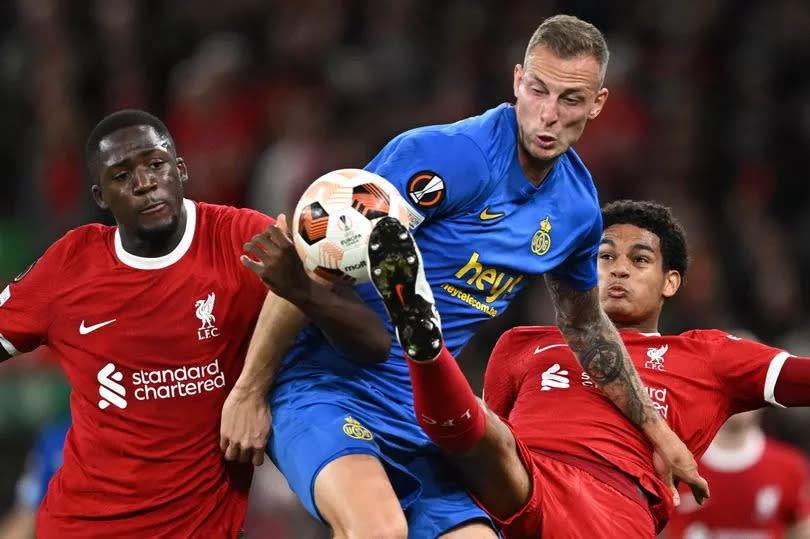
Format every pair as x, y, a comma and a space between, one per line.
278, 324
599, 349
603, 357
349, 324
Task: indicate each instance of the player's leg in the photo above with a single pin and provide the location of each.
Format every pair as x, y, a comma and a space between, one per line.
475, 441
328, 452
355, 497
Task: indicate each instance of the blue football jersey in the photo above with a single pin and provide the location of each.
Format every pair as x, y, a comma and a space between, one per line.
483, 230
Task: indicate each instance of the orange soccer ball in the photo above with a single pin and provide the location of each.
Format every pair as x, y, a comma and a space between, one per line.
333, 220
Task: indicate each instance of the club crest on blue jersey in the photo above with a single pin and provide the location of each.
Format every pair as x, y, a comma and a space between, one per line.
353, 429
426, 189
541, 242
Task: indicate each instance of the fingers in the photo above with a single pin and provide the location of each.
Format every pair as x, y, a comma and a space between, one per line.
280, 238
281, 223
700, 489
252, 265
236, 452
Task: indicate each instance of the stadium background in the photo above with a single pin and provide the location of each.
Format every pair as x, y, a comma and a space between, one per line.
708, 112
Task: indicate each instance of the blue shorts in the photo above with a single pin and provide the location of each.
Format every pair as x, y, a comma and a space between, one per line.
316, 423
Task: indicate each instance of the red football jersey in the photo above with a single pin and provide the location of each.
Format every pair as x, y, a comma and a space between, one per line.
696, 381
151, 347
758, 492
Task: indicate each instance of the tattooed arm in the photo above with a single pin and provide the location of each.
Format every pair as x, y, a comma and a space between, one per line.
596, 343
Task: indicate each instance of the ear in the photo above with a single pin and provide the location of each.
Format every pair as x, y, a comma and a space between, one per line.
98, 197
181, 168
598, 103
518, 77
672, 282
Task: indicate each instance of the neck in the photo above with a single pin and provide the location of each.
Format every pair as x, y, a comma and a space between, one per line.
534, 169
157, 244
642, 326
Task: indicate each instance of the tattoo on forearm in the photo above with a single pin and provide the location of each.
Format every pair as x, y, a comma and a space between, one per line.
603, 361
597, 345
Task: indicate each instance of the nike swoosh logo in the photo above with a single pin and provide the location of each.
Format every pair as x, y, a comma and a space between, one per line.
84, 330
486, 216
539, 350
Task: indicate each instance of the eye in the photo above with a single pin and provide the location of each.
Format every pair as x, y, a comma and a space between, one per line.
605, 256
120, 176
538, 91
157, 163
573, 101
642, 260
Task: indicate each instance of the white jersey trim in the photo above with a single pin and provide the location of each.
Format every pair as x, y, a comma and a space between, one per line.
9, 348
736, 460
160, 262
773, 375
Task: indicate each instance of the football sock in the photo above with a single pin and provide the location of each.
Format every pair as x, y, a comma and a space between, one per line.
445, 405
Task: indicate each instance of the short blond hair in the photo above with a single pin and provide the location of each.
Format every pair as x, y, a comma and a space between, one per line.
568, 36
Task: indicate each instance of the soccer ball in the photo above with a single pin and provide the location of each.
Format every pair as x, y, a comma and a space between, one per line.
333, 220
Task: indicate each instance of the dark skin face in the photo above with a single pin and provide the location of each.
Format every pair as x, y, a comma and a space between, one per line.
632, 281
139, 179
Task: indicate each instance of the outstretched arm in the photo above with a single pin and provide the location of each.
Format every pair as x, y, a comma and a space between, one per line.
594, 340
349, 324
346, 321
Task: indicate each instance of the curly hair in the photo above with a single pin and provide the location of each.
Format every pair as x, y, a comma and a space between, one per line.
659, 220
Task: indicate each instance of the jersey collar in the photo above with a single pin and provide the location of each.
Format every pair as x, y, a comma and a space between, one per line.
160, 262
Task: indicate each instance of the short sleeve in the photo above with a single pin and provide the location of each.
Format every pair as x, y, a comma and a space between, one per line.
500, 386
579, 269
436, 172
748, 370
246, 224
25, 304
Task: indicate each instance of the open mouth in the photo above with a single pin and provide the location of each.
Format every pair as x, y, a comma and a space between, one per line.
546, 141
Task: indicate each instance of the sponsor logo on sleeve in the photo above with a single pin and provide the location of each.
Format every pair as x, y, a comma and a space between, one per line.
426, 189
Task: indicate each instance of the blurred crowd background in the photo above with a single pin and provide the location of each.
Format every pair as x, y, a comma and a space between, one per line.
708, 112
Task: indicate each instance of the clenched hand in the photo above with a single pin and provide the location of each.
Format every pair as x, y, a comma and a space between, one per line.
245, 427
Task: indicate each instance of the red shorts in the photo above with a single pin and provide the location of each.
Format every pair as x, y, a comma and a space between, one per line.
568, 502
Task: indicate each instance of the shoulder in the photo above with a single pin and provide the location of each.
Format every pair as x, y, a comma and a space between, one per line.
84, 239
478, 141
579, 181
715, 336
229, 218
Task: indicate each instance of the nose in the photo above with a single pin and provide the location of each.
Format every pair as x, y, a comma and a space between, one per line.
619, 269
144, 180
548, 111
